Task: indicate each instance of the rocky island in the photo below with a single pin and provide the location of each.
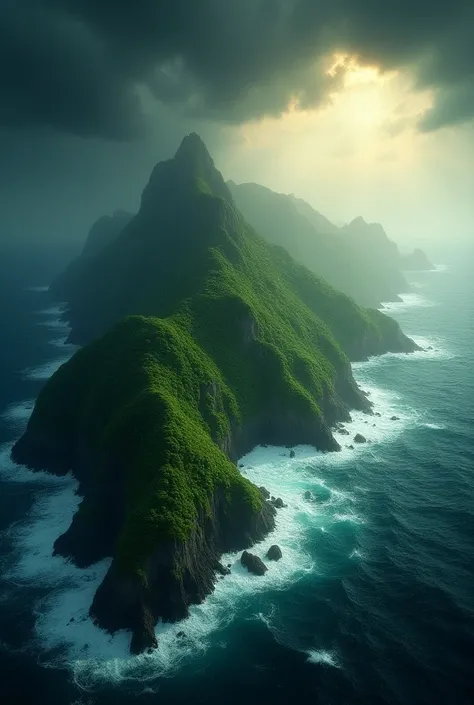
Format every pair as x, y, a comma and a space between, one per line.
200, 341
417, 261
358, 259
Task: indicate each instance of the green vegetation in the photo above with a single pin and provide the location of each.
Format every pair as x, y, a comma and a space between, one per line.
357, 259
233, 328
136, 397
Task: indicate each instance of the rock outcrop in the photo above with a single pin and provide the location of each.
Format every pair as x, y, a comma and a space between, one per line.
253, 563
274, 553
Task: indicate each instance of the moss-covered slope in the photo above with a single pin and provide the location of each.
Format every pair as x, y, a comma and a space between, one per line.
239, 346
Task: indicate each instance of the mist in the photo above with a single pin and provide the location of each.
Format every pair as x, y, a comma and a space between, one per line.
335, 117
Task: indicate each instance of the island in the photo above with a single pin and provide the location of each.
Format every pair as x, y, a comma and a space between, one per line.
417, 261
200, 341
358, 259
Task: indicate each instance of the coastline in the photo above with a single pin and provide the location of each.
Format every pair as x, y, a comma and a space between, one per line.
87, 643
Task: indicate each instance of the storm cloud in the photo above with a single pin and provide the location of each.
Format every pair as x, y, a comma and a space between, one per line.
85, 67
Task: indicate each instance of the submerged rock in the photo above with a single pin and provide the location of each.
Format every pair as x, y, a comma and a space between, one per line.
344, 431
292, 453
278, 503
394, 418
253, 563
274, 553
359, 438
308, 496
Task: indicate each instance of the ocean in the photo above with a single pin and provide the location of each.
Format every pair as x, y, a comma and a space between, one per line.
373, 600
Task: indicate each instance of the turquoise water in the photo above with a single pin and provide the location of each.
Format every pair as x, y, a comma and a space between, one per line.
373, 600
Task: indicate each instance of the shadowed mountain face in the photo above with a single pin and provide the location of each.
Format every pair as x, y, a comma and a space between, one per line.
317, 220
231, 344
358, 259
104, 231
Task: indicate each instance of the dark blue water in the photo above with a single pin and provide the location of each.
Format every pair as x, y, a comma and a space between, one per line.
374, 599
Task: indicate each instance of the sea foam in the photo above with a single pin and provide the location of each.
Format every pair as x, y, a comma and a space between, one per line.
64, 633
17, 414
322, 657
44, 371
409, 300
94, 656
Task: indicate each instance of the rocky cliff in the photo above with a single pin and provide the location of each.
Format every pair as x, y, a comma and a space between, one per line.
235, 345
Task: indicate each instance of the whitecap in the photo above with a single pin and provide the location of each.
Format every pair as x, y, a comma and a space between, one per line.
322, 657
408, 300
432, 348
54, 323
62, 616
348, 517
52, 311
38, 289
11, 472
62, 343
18, 414
355, 553
376, 429
46, 370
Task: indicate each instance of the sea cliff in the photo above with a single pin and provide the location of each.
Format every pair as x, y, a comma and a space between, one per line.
201, 341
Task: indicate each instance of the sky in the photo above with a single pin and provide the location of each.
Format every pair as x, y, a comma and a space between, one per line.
361, 107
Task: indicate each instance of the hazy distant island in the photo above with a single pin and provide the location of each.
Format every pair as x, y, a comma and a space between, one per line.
358, 259
417, 261
201, 340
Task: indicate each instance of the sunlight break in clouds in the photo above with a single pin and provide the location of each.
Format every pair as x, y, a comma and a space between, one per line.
360, 153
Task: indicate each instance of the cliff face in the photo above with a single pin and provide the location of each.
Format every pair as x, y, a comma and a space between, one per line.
239, 346
103, 232
176, 574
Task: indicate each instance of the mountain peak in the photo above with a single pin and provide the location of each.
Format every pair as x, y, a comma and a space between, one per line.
193, 154
191, 170
192, 149
358, 221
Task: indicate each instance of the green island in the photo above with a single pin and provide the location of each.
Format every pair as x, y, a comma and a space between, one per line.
201, 341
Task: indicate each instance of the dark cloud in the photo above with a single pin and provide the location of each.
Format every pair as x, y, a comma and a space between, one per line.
81, 65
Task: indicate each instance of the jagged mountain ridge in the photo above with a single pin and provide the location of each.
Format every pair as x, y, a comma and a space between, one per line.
358, 258
231, 344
